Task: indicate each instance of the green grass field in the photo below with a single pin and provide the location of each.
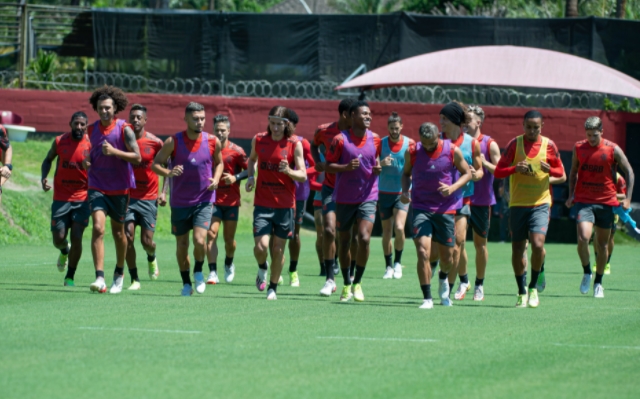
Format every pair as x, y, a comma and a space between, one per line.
60, 342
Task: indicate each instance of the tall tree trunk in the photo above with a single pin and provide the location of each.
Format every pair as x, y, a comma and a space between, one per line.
572, 9
621, 9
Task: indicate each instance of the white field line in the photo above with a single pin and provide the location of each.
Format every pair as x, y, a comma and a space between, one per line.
381, 339
598, 346
140, 330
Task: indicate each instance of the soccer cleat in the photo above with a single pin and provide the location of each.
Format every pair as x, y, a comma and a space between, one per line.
280, 280
213, 278
358, 295
116, 287
261, 280
607, 268
336, 269
135, 286
63, 260
329, 288
388, 274
69, 282
271, 295
229, 273
427, 304
478, 293
98, 286
443, 289
199, 281
598, 291
533, 300
294, 281
584, 285
346, 293
186, 290
522, 301
462, 291
542, 282
154, 270
397, 270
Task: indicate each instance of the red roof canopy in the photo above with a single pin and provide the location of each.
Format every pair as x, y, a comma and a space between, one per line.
510, 66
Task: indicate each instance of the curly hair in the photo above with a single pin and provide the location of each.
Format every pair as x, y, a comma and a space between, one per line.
109, 92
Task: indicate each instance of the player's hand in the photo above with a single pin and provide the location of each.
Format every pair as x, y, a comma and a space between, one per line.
444, 189
86, 164
283, 167
545, 167
569, 202
354, 164
214, 184
474, 173
228, 178
386, 161
162, 199
5, 172
107, 149
251, 182
45, 187
176, 171
626, 204
522, 167
405, 198
320, 166
377, 169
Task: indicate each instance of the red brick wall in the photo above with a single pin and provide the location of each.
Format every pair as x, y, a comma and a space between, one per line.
49, 111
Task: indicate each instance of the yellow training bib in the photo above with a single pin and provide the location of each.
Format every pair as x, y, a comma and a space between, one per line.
531, 189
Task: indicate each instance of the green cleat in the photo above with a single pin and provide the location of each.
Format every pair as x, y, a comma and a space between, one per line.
63, 260
542, 282
294, 281
358, 296
346, 294
607, 269
69, 282
154, 270
533, 298
522, 301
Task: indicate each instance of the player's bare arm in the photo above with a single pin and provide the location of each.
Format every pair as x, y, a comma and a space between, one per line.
573, 178
406, 178
132, 155
476, 171
623, 162
315, 153
217, 172
161, 159
494, 154
46, 165
300, 174
251, 167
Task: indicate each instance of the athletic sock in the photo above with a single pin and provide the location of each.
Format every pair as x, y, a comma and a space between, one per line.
479, 281
151, 258
426, 291
65, 250
228, 261
263, 266
352, 269
213, 267
521, 280
186, 279
71, 272
451, 287
359, 273
100, 274
542, 267
464, 278
434, 266
598, 279
387, 260
442, 275
534, 279
346, 279
293, 266
328, 269
609, 259
119, 271
134, 274
397, 258
197, 268
273, 286
587, 268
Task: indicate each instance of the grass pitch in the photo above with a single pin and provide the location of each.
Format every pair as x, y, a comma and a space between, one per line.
230, 342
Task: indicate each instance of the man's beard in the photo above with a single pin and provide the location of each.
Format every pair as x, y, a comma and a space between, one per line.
77, 134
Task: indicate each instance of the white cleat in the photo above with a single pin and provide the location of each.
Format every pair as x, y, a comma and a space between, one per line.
116, 287
427, 304
585, 284
186, 290
443, 291
336, 269
388, 275
462, 291
135, 286
98, 286
478, 293
598, 291
329, 288
63, 260
397, 270
229, 273
213, 278
271, 295
199, 281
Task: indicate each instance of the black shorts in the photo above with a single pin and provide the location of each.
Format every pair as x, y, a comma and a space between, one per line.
328, 204
347, 214
464, 211
480, 219
300, 211
185, 219
276, 221
143, 213
114, 206
64, 214
442, 227
226, 213
388, 202
524, 220
600, 215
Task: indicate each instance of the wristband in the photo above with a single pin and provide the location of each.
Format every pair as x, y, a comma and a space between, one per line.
9, 166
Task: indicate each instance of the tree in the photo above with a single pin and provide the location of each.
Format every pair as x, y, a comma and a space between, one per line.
621, 9
366, 6
571, 11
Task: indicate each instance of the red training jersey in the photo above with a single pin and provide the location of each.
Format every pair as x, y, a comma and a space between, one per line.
274, 189
71, 180
4, 140
324, 136
235, 161
146, 179
596, 172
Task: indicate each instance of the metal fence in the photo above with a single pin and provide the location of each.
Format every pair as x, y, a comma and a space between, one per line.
316, 90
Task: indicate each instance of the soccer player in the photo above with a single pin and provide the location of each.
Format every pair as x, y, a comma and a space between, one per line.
452, 117
529, 160
143, 205
70, 209
226, 208
113, 151
393, 212
438, 171
354, 156
323, 136
196, 167
481, 201
316, 187
593, 191
6, 152
278, 154
621, 189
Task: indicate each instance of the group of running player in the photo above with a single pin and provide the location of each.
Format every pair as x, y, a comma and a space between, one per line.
441, 184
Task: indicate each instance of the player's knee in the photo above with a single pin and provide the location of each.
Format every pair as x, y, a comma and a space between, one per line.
147, 242
58, 241
363, 238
